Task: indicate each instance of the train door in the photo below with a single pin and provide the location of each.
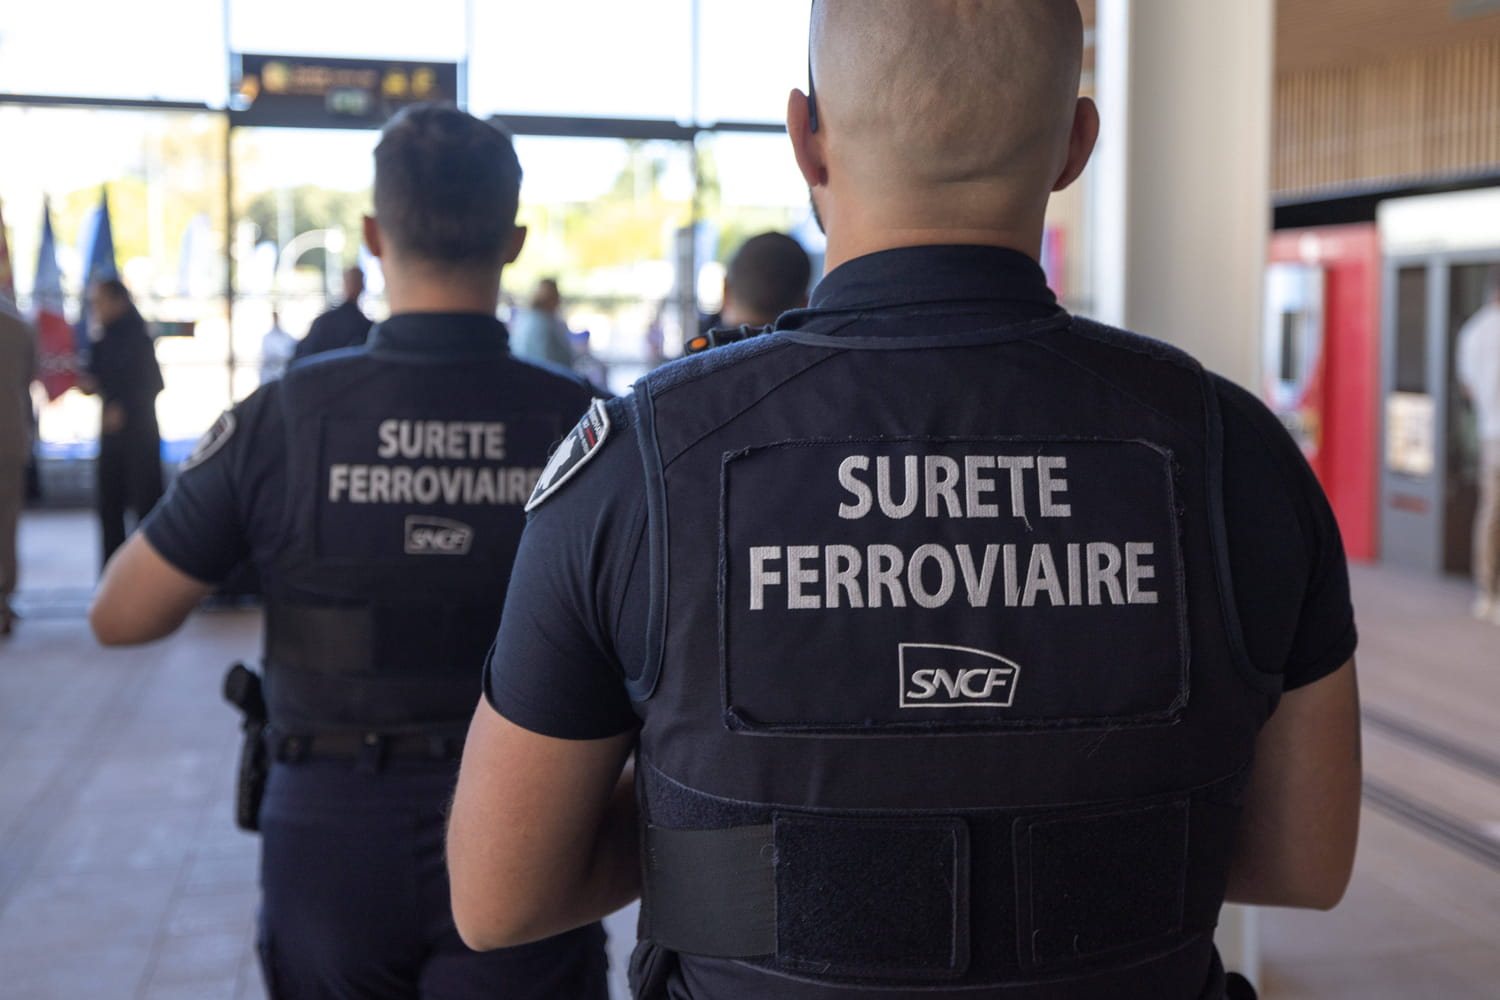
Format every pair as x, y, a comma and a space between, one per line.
1439, 252
1431, 470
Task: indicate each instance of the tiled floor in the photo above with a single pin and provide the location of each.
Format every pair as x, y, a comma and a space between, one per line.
122, 876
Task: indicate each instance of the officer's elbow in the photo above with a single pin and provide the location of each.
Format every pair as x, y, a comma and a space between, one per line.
1326, 890
110, 627
1317, 886
487, 927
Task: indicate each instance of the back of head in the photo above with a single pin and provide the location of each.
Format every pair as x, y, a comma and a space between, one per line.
924, 98
354, 283
115, 290
446, 187
768, 275
546, 298
110, 300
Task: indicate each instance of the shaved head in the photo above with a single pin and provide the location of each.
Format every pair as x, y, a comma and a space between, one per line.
965, 103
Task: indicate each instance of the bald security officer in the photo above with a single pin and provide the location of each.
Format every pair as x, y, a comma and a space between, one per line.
379, 493
970, 648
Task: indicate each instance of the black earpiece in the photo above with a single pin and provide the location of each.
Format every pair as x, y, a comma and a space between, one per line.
812, 99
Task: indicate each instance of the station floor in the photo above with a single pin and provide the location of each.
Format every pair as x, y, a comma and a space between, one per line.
122, 876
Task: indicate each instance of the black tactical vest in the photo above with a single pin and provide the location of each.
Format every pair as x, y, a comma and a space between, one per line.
947, 688
407, 478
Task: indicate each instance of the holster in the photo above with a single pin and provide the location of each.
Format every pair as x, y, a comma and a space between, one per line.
1237, 987
242, 689
650, 967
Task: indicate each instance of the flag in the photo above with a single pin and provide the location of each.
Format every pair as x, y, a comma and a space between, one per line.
99, 245
99, 262
57, 357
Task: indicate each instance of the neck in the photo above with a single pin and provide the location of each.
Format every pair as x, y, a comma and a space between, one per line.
843, 247
867, 224
429, 294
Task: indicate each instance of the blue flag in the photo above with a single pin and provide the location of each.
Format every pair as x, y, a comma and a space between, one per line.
99, 262
99, 245
46, 289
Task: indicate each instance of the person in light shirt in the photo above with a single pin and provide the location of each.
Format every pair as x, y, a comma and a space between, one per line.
1479, 372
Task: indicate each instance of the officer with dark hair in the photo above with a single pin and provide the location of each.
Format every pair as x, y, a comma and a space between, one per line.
968, 648
379, 491
767, 276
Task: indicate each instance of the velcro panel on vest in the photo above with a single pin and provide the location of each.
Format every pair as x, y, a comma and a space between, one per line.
328, 639
866, 898
391, 668
1092, 884
885, 898
712, 892
380, 639
1051, 894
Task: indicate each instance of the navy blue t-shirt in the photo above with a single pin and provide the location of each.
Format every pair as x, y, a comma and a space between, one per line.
576, 618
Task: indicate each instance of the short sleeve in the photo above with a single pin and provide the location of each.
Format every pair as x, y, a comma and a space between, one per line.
1287, 563
576, 609
202, 526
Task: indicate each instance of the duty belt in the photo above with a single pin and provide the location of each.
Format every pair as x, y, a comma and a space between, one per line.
367, 748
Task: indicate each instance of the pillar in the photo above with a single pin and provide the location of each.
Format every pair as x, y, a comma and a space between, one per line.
1181, 204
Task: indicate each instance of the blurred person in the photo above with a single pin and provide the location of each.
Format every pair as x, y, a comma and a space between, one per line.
384, 542
122, 370
767, 276
276, 350
17, 369
540, 333
345, 325
965, 648
1478, 365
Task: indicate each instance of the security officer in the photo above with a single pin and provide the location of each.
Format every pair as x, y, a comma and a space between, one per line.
379, 491
948, 626
767, 276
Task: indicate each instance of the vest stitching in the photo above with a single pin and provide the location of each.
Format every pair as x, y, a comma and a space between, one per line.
814, 363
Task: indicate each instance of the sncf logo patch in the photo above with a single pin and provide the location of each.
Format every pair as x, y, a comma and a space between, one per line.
437, 536
936, 676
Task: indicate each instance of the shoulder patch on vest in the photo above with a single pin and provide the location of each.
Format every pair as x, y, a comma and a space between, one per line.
576, 449
210, 443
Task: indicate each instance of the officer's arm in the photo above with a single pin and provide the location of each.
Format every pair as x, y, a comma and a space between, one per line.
1301, 819
142, 596
542, 836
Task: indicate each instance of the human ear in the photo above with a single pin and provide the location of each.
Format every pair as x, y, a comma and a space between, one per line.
1081, 139
807, 145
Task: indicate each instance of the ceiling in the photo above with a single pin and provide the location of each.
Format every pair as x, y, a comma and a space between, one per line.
1313, 34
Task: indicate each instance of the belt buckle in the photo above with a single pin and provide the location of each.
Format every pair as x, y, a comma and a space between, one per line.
372, 753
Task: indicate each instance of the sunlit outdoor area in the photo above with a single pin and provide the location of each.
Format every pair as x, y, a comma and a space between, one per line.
905, 524
224, 232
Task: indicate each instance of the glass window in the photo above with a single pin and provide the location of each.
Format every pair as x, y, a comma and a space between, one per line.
300, 198
165, 49
603, 218
582, 57
752, 55
1411, 330
370, 29
164, 176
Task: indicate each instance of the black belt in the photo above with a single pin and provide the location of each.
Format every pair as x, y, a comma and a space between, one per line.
372, 747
